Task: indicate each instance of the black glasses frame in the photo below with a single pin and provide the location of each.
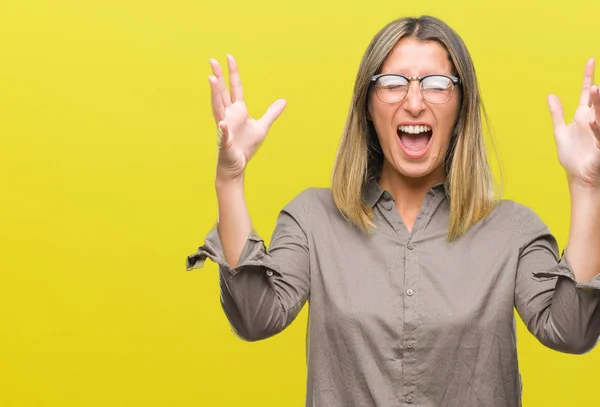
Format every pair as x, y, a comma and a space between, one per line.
454, 79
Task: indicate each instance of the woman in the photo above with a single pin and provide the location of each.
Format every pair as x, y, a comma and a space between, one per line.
411, 266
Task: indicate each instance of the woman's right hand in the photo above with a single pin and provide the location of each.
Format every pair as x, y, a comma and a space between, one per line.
239, 135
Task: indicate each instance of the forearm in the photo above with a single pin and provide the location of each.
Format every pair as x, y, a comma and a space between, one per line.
234, 224
584, 235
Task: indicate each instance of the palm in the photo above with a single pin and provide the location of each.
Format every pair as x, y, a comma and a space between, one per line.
240, 136
245, 134
578, 142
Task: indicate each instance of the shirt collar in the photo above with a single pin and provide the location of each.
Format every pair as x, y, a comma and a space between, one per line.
374, 192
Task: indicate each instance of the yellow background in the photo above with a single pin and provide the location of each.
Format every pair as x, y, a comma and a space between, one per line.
107, 161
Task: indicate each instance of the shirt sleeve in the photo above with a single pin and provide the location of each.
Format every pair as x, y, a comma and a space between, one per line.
562, 313
264, 293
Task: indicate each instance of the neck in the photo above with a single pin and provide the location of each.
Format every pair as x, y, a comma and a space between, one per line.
408, 192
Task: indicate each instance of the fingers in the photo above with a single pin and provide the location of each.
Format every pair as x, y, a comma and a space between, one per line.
215, 98
595, 120
272, 113
556, 110
588, 80
596, 130
595, 100
221, 88
220, 97
235, 82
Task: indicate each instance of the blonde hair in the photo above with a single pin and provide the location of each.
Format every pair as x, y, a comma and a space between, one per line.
469, 182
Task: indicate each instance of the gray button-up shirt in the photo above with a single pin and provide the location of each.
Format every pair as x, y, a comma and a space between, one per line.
405, 318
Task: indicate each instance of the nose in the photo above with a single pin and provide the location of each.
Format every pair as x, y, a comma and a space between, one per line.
414, 100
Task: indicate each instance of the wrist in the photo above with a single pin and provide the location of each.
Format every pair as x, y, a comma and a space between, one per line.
580, 188
228, 181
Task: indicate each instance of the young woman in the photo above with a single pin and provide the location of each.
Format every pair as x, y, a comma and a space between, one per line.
411, 267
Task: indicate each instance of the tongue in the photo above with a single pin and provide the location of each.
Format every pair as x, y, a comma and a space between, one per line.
415, 142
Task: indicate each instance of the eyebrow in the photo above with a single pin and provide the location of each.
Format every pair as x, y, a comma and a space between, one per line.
425, 74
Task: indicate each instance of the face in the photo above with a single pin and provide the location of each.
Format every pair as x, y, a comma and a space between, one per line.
409, 148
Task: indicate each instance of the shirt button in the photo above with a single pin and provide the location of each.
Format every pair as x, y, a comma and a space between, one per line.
388, 205
409, 399
410, 245
409, 292
269, 273
410, 344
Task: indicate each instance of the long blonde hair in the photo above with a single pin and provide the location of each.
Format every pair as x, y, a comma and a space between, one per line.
469, 182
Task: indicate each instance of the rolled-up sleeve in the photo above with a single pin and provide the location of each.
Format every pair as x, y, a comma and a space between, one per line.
562, 313
264, 293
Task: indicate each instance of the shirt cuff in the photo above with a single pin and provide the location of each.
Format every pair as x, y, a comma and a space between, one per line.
253, 253
563, 268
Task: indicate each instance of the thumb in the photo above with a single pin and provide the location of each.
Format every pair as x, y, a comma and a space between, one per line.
223, 140
556, 111
272, 113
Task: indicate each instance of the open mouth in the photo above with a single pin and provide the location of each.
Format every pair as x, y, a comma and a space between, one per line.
414, 139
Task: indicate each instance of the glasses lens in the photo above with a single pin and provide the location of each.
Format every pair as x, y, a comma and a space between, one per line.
391, 89
437, 89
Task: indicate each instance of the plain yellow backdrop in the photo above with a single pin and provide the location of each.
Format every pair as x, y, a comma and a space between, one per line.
107, 161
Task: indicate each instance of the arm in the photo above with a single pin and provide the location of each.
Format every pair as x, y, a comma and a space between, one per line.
264, 292
560, 312
558, 300
261, 292
578, 145
584, 233
240, 136
234, 224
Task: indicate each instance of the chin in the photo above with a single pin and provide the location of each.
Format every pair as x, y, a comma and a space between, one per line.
411, 168
420, 170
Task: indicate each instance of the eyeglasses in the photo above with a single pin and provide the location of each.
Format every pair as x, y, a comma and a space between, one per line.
436, 89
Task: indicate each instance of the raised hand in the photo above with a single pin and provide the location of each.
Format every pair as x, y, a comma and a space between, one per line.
578, 142
239, 135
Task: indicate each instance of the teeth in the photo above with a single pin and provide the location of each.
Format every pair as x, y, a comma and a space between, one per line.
414, 129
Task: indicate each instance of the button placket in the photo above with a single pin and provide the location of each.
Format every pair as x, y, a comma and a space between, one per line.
386, 206
388, 203
411, 284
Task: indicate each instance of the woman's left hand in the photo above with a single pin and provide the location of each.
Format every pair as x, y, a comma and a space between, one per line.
578, 142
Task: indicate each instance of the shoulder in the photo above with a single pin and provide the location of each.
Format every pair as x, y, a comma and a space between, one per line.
515, 212
313, 204
526, 219
311, 200
526, 223
512, 218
